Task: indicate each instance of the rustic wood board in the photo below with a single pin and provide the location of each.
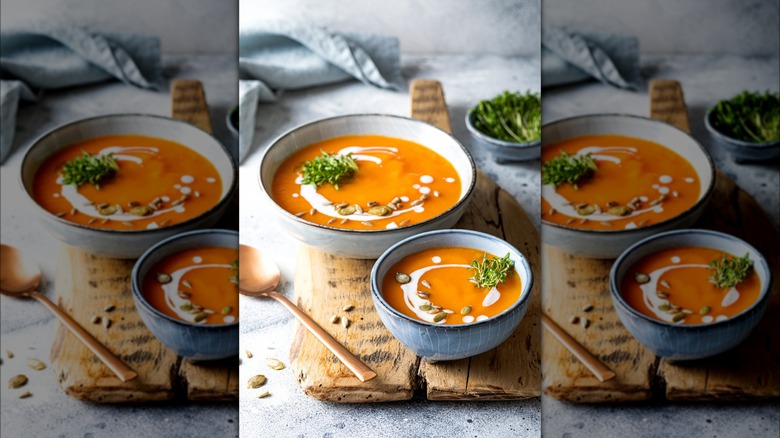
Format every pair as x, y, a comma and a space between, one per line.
86, 284
750, 371
325, 283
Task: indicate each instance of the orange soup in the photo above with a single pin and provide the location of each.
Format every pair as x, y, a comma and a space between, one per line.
197, 285
397, 183
637, 183
434, 286
158, 183
674, 285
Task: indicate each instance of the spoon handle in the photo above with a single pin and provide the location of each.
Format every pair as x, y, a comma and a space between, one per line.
590, 361
114, 363
361, 370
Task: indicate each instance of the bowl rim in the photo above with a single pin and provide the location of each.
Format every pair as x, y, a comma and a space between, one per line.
233, 127
479, 135
525, 293
135, 281
181, 225
731, 140
286, 214
617, 298
701, 202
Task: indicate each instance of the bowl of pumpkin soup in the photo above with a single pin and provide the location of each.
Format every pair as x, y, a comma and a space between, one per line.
451, 294
610, 180
690, 294
354, 185
186, 290
115, 185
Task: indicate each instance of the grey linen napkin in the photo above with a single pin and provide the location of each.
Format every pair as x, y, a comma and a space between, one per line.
277, 56
569, 57
50, 56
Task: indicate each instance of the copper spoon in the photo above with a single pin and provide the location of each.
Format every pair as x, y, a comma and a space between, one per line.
258, 276
20, 277
590, 361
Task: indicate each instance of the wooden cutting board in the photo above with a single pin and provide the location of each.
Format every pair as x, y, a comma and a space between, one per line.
85, 285
750, 371
325, 283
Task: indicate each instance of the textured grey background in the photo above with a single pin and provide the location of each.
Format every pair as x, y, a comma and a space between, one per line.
738, 27
501, 27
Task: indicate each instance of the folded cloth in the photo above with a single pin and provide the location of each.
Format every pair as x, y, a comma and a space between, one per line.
49, 56
278, 56
569, 57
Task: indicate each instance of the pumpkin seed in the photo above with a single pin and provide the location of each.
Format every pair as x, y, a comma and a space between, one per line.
256, 381
402, 278
331, 220
655, 202
371, 204
587, 308
73, 211
396, 200
606, 223
341, 205
416, 202
300, 213
426, 307
186, 284
249, 354
433, 311
201, 316
184, 294
665, 284
196, 193
641, 278
264, 394
107, 323
583, 221
705, 310
358, 209
226, 310
394, 206
619, 210
423, 295
347, 308
25, 394
642, 224
344, 221
109, 308
380, 210
335, 319
17, 381
346, 211
312, 212
107, 210
574, 319
104, 221
367, 223
96, 319
209, 311
140, 210
687, 311
426, 283
404, 222
163, 278
448, 311
587, 210
585, 323
679, 316
345, 322
551, 212
597, 208
664, 307
435, 194
675, 194
119, 208
36, 364
274, 364
9, 353
91, 221
127, 223
611, 204
660, 294
466, 310
441, 316
570, 221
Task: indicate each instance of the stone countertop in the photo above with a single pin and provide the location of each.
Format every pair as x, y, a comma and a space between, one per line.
705, 80
28, 328
267, 329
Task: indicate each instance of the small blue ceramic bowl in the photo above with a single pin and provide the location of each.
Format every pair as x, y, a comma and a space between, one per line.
436, 342
195, 342
504, 151
743, 151
684, 341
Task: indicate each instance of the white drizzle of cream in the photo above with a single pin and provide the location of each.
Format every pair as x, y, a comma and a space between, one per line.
171, 290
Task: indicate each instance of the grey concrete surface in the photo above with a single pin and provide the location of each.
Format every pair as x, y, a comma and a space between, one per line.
705, 80
28, 329
267, 329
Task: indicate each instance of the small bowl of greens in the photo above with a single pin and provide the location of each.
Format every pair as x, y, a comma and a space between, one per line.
509, 125
747, 125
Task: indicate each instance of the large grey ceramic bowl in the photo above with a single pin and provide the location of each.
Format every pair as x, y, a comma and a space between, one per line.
437, 342
365, 244
504, 151
126, 243
743, 151
608, 244
193, 341
684, 341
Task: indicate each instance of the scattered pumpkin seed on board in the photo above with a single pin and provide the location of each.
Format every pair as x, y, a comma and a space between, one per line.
36, 364
264, 394
256, 381
274, 364
17, 381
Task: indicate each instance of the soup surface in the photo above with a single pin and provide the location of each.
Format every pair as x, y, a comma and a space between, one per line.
679, 284
198, 285
158, 183
439, 279
398, 183
637, 183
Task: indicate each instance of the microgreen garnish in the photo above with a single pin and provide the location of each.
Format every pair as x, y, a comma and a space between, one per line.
89, 169
329, 168
510, 117
729, 272
490, 272
752, 117
568, 169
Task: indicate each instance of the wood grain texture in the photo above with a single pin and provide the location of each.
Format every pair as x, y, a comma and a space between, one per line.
750, 371
86, 284
324, 283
